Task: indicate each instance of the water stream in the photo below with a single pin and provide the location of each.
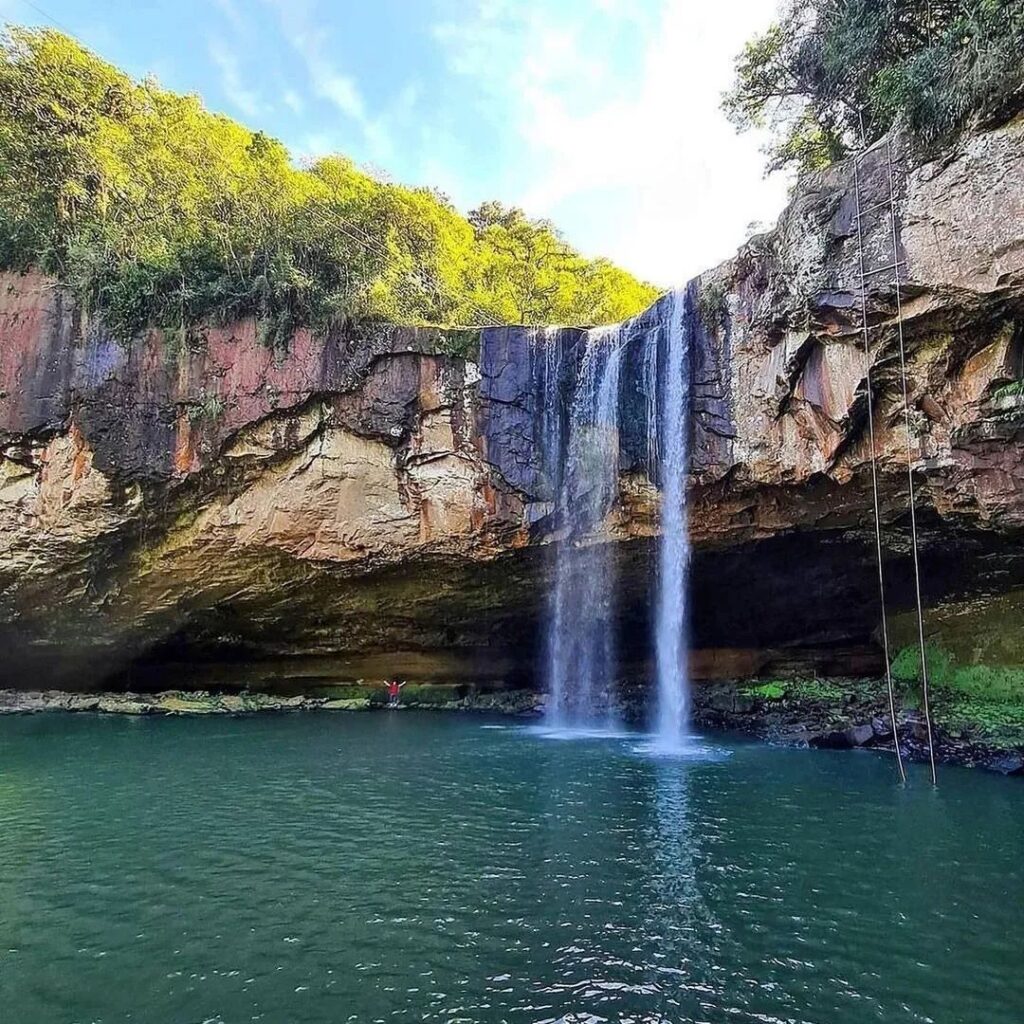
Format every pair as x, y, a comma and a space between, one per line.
670, 637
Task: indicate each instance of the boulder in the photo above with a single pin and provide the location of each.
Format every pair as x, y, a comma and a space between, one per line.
859, 735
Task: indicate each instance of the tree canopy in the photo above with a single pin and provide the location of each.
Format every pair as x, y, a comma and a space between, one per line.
830, 74
158, 212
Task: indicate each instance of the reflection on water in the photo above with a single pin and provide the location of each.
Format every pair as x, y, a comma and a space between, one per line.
679, 929
424, 868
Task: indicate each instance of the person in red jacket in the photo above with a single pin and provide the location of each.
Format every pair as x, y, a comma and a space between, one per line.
394, 690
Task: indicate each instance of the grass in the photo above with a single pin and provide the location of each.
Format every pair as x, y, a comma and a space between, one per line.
984, 699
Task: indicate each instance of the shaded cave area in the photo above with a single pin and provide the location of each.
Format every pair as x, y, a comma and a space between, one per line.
799, 603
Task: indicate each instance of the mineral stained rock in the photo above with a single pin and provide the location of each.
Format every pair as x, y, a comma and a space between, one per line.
373, 500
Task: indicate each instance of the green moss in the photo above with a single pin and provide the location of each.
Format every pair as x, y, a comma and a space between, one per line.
983, 630
1009, 390
999, 684
209, 407
818, 689
713, 305
430, 693
986, 701
767, 691
996, 721
906, 666
463, 342
989, 683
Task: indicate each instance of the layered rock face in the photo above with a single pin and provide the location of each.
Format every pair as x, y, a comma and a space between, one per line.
381, 500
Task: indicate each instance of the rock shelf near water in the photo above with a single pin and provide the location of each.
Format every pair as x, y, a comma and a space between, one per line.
837, 714
202, 702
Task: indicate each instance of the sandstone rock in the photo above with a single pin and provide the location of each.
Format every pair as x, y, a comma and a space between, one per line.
365, 492
82, 702
175, 704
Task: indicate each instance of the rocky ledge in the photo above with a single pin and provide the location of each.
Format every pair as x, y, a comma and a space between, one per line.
848, 714
822, 713
203, 702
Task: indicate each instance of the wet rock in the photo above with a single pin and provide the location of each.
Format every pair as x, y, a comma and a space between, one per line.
858, 735
833, 739
123, 704
802, 738
187, 704
349, 704
1004, 764
881, 727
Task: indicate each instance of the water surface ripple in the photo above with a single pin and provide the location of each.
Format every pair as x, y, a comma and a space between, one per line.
403, 867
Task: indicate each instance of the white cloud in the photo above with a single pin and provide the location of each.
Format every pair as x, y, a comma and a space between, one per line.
231, 78
337, 88
616, 113
330, 83
293, 101
237, 20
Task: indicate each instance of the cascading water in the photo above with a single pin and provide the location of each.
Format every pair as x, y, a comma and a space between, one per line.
671, 440
646, 359
581, 646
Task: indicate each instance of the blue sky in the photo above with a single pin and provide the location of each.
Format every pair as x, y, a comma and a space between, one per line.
600, 114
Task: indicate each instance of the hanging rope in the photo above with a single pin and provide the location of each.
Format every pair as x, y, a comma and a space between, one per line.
874, 475
910, 464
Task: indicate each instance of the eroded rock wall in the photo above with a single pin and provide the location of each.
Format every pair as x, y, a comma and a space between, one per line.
378, 498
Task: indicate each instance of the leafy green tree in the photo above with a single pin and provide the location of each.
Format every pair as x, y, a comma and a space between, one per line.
830, 74
158, 212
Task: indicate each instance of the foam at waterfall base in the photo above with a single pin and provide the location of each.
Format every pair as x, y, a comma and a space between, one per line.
686, 748
689, 748
550, 731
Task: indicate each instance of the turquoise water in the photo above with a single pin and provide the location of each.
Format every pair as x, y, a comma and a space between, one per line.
409, 867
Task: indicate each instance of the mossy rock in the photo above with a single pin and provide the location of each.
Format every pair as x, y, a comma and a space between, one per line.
766, 691
188, 706
430, 694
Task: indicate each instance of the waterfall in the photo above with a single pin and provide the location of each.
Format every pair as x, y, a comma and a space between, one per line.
671, 436
630, 403
581, 644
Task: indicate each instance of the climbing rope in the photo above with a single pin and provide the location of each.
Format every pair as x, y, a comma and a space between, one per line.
874, 476
910, 464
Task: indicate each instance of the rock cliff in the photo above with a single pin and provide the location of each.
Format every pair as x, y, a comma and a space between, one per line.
378, 500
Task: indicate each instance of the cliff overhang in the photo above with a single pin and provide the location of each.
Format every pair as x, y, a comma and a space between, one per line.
373, 500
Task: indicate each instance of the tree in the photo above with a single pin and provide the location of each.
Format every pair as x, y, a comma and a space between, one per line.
158, 212
831, 75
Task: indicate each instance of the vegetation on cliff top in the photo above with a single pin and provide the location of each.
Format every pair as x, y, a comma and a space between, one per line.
829, 71
159, 212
